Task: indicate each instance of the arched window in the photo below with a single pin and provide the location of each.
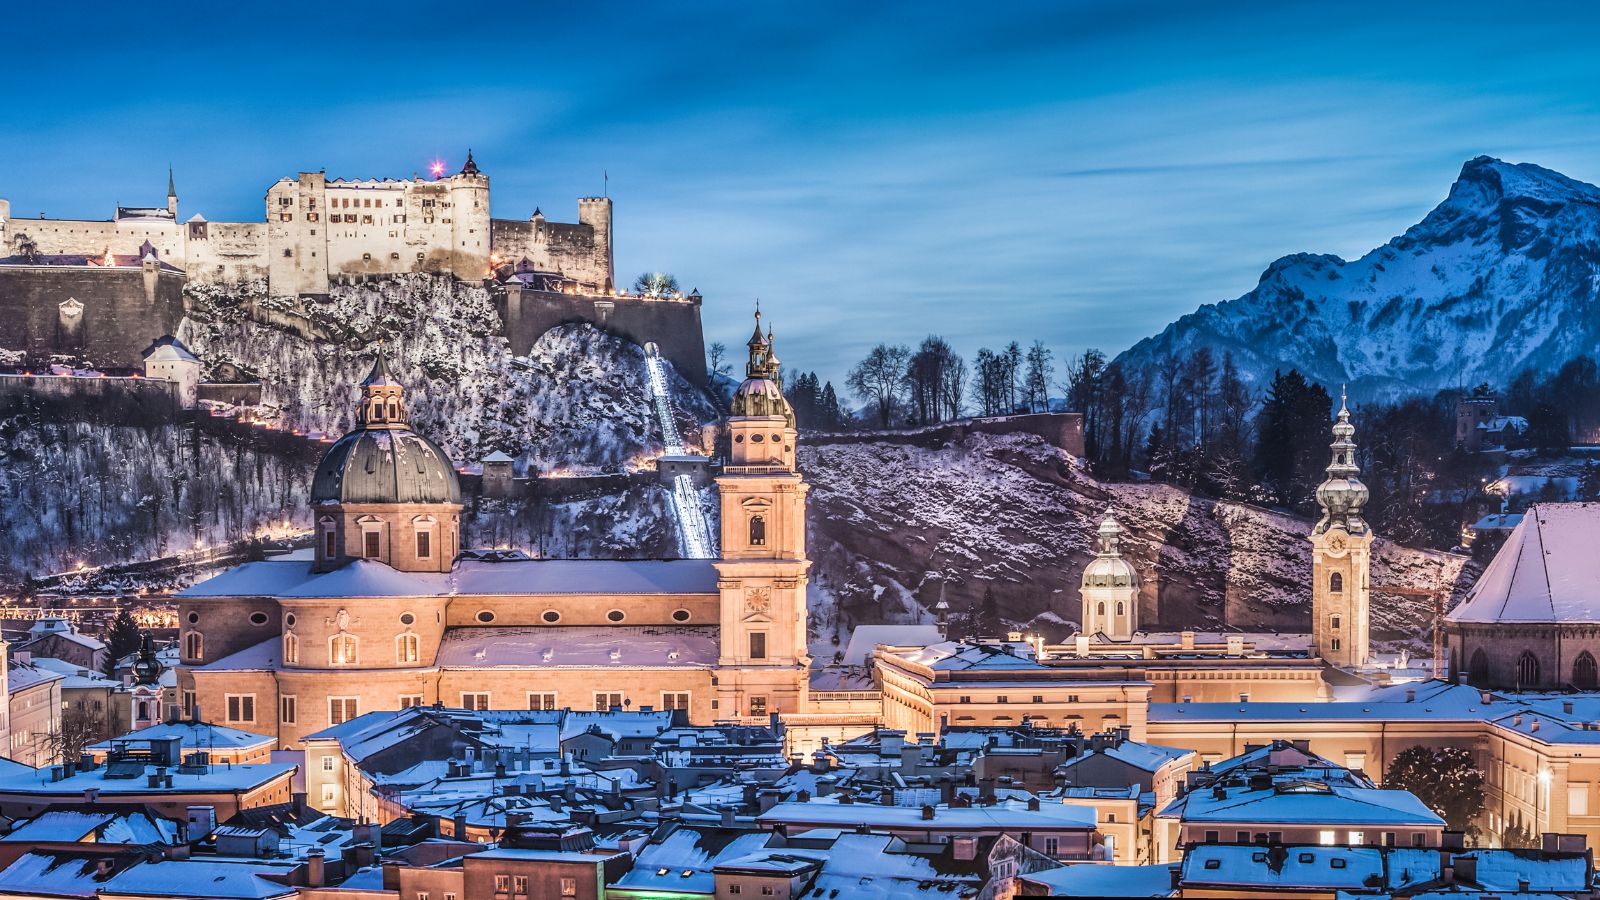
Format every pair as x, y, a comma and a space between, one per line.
194, 645
1122, 608
758, 531
407, 648
291, 648
1335, 583
1478, 670
144, 709
1527, 670
342, 650
1100, 608
1584, 675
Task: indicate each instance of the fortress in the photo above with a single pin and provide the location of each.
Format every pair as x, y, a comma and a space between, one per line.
105, 288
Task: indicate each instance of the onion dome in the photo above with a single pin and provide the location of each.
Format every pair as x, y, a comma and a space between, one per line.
471, 168
1342, 495
761, 393
383, 460
1108, 568
146, 668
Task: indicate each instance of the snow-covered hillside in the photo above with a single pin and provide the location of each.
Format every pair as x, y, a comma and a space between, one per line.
1501, 276
894, 527
576, 404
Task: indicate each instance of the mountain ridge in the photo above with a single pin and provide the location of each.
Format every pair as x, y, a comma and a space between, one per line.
1501, 275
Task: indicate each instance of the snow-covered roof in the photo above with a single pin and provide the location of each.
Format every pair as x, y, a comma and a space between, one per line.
127, 826
864, 639
193, 736
498, 456
46, 874
75, 676
1308, 868
1104, 881
235, 777
586, 646
23, 676
1309, 803
470, 577
213, 879
263, 657
1547, 571
173, 352
1142, 756
1003, 816
956, 655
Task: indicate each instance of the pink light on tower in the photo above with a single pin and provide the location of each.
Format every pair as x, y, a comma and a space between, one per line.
436, 168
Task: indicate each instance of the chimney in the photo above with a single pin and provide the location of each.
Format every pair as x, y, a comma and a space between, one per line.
91, 795
1464, 868
927, 813
103, 867
316, 868
1411, 695
727, 817
1566, 707
1485, 698
804, 796
202, 821
1033, 804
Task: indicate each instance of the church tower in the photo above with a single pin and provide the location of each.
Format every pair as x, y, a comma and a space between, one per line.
384, 492
1110, 588
1341, 545
764, 660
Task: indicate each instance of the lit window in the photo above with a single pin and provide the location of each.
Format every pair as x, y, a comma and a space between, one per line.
193, 645
541, 701
408, 648
288, 709
1326, 838
672, 700
342, 650
424, 545
603, 701
291, 648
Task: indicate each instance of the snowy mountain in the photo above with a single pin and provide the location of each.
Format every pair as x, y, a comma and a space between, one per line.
894, 527
1501, 276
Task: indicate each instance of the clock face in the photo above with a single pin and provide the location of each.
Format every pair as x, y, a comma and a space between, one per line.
1336, 542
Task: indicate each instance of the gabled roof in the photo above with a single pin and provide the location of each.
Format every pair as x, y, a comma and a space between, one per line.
1547, 572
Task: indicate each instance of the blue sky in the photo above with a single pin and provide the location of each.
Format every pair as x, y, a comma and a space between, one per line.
1078, 172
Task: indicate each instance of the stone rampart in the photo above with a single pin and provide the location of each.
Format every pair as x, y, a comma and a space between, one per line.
138, 402
118, 319
672, 325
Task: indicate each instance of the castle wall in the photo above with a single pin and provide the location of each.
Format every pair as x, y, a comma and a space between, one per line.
226, 253
117, 321
1064, 430
550, 247
672, 325
90, 238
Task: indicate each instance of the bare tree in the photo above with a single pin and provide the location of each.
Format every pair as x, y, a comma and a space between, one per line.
880, 378
717, 355
27, 247
656, 284
1036, 383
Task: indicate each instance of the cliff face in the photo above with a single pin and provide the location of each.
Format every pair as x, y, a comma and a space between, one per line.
896, 527
1501, 276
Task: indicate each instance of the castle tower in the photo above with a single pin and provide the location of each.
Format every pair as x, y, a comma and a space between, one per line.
596, 213
469, 223
384, 492
1110, 588
763, 569
1341, 545
172, 195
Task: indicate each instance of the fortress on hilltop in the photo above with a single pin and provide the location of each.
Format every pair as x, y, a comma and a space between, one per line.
105, 288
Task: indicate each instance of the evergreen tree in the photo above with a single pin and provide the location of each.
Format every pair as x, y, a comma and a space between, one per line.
1291, 450
122, 638
1446, 780
985, 620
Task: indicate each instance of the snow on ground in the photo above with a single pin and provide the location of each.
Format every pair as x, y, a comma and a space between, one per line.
896, 526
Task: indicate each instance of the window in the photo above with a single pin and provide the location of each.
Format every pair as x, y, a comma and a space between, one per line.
541, 701
373, 544
424, 545
475, 701
327, 764
1122, 609
449, 895
193, 645
1417, 839
1002, 698
1334, 623
616, 615
409, 700
241, 707
422, 895
1338, 862
1577, 798
1038, 698
485, 616
288, 709
341, 709
342, 650
1335, 644
1527, 669
758, 706
604, 700
291, 648
330, 544
758, 645
1100, 608
758, 531
502, 883
1326, 838
1355, 760
1357, 838
1478, 669
674, 699
680, 615
569, 887
1584, 672
519, 884
551, 617
964, 698
1388, 839
408, 648
1335, 584
1052, 846
1213, 837
1241, 837
766, 890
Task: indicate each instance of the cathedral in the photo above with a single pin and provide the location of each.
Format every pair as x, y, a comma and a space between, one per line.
385, 613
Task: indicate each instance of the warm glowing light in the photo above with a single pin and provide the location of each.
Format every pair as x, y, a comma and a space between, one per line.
436, 168
1544, 776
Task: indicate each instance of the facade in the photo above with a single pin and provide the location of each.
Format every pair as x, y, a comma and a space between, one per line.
271, 647
1341, 546
33, 713
317, 231
168, 359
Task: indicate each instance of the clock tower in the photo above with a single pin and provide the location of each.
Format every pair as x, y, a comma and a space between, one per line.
1341, 546
764, 662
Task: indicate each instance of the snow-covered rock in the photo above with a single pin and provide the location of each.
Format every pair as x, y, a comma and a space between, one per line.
1501, 276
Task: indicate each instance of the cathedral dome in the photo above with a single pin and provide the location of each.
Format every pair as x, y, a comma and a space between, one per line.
383, 460
759, 397
1108, 568
388, 465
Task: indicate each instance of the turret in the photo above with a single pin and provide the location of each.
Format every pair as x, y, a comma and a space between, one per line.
172, 195
1341, 545
1110, 587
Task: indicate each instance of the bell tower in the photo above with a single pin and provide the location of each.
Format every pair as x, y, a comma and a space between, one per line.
1110, 588
1341, 545
765, 665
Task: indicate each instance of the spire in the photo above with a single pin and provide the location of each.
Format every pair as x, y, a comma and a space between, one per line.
382, 397
471, 167
1342, 495
172, 188
380, 373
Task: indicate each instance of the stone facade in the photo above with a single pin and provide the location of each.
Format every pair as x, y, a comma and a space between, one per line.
1341, 546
